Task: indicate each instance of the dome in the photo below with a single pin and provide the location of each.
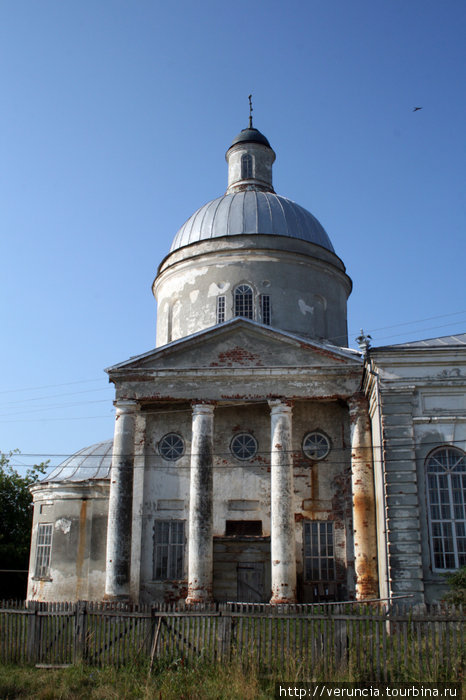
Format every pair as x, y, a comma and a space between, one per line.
251, 212
250, 135
92, 462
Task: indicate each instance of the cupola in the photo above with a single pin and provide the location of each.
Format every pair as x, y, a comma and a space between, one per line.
250, 159
252, 253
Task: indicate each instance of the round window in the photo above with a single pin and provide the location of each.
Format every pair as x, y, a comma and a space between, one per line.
316, 445
244, 446
171, 446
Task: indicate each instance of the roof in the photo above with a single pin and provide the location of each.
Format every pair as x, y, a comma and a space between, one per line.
458, 340
251, 212
201, 337
92, 462
250, 135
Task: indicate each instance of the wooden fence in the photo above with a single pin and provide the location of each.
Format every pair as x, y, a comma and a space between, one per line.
374, 643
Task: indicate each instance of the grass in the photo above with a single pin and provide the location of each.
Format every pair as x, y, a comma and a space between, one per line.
174, 681
197, 681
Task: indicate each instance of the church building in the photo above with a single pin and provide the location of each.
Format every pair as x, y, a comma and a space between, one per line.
256, 457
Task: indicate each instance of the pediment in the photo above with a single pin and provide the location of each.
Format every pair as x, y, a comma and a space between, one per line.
241, 344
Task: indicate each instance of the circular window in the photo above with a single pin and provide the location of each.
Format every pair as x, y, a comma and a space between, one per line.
244, 446
316, 445
171, 446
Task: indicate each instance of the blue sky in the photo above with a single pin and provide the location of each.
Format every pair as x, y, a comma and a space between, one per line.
115, 118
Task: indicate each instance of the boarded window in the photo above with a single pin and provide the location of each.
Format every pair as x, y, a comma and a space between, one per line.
319, 553
43, 550
168, 550
243, 528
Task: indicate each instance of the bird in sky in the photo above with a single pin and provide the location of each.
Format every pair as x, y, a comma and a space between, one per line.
416, 108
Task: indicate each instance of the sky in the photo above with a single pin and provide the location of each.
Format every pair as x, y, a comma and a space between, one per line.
115, 117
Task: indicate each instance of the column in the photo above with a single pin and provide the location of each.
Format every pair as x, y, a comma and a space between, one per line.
200, 558
362, 482
117, 577
138, 504
283, 543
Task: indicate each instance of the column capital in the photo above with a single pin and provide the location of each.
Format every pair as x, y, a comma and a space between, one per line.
280, 406
204, 407
358, 403
126, 406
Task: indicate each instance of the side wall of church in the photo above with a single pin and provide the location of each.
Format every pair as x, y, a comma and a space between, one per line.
422, 405
72, 519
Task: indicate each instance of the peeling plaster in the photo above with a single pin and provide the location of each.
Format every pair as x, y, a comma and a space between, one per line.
304, 308
216, 289
64, 525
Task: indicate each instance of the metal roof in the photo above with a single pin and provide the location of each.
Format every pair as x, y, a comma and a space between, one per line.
458, 340
251, 212
92, 462
250, 135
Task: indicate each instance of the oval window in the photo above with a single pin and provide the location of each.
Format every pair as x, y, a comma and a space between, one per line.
244, 446
316, 445
171, 446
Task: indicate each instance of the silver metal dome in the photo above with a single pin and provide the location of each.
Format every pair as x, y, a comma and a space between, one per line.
251, 212
92, 462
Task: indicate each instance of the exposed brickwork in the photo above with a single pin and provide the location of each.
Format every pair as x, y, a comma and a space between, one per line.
237, 356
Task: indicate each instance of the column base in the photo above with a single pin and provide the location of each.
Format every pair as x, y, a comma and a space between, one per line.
110, 598
283, 601
195, 600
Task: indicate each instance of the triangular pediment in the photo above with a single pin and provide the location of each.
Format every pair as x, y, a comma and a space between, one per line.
241, 343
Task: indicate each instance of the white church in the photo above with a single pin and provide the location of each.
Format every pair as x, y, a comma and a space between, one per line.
256, 457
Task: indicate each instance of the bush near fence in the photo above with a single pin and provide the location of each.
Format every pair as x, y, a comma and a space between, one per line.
366, 641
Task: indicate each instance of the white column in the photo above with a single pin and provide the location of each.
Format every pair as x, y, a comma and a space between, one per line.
138, 504
362, 482
200, 558
283, 544
117, 576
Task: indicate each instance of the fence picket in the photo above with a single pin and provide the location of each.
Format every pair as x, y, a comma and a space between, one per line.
377, 643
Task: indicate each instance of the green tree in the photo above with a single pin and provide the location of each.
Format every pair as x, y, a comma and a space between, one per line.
15, 524
457, 584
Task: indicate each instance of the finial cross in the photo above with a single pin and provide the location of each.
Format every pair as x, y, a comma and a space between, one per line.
250, 111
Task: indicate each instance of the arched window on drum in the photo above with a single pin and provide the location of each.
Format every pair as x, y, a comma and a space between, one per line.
247, 166
244, 301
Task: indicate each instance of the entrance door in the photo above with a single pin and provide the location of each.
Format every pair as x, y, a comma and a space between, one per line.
250, 579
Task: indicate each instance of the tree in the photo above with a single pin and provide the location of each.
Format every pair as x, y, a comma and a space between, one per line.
457, 584
15, 524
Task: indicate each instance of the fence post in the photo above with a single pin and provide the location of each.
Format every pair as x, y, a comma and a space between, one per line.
224, 636
80, 631
33, 633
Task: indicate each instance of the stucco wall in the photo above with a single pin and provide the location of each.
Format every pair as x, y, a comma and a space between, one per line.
78, 514
307, 285
422, 406
242, 489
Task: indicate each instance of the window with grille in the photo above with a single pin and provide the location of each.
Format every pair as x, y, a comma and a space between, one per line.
246, 166
171, 447
265, 309
168, 550
319, 555
244, 446
244, 301
220, 309
43, 550
446, 495
316, 445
